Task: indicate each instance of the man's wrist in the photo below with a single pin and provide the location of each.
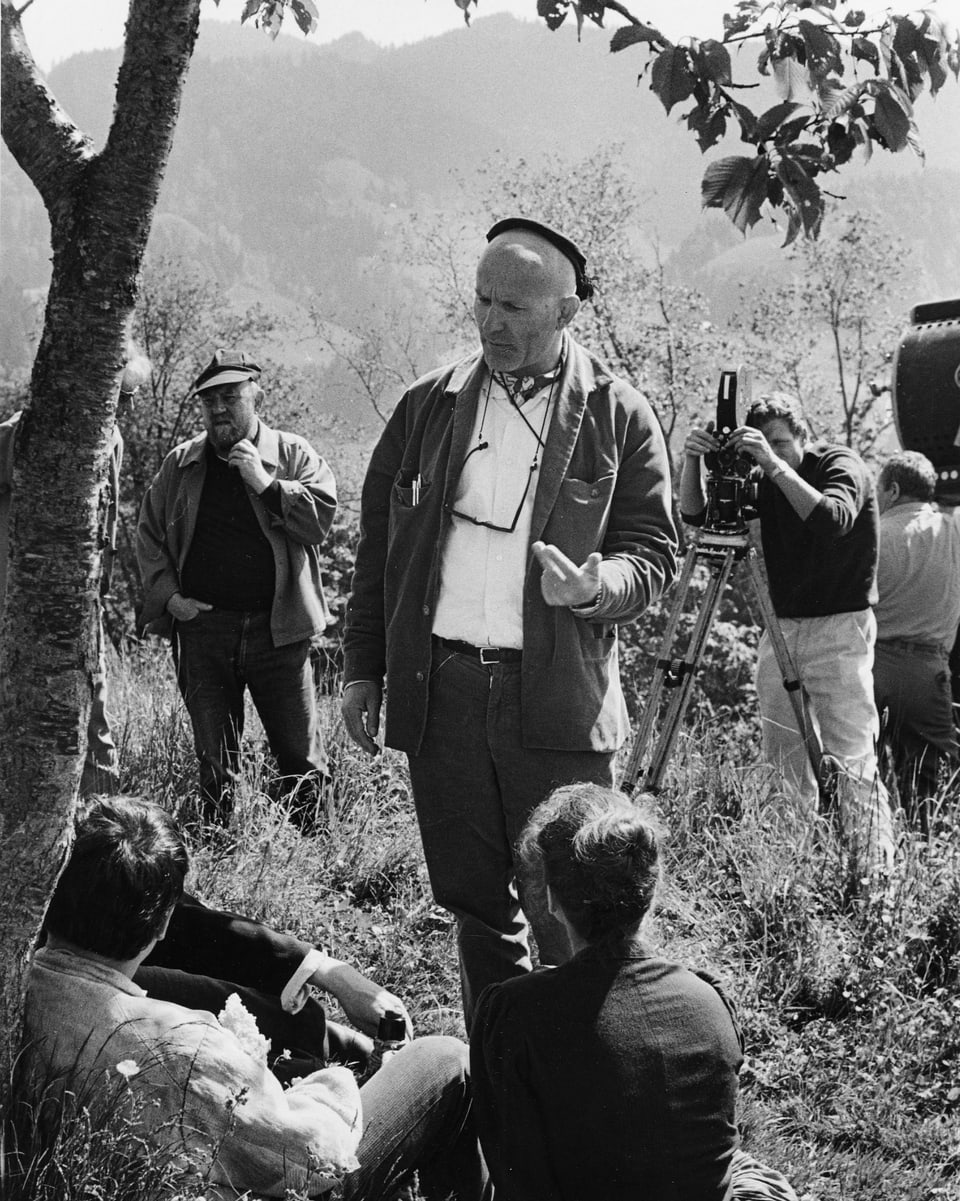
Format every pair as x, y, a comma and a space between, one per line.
313, 970
588, 606
778, 468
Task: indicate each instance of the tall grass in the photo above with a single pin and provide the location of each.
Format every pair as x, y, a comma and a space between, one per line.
850, 1008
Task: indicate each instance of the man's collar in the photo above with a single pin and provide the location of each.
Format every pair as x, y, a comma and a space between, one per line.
581, 373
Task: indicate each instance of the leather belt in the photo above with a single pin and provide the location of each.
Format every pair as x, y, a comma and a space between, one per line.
487, 655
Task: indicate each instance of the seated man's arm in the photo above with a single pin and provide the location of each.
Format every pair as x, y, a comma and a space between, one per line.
214, 942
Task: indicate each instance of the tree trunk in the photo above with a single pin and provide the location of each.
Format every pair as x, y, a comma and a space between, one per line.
100, 206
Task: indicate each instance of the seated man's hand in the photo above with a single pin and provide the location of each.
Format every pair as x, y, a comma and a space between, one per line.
185, 608
562, 581
362, 1000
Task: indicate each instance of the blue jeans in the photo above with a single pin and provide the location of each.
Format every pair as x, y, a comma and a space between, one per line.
219, 654
474, 786
417, 1116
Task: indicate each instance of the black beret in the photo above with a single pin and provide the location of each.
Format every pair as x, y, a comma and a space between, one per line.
570, 250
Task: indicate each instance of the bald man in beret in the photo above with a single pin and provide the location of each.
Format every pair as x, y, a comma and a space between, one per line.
515, 511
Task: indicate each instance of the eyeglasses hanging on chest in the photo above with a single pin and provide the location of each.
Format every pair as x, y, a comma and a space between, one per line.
518, 392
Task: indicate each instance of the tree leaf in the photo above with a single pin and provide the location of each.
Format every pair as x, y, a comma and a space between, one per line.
554, 12
305, 14
713, 59
741, 23
671, 77
823, 49
805, 200
892, 115
792, 80
866, 51
774, 117
841, 143
839, 101
748, 120
250, 9
738, 185
630, 35
708, 124
854, 18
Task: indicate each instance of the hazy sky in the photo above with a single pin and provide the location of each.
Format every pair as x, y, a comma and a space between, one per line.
56, 29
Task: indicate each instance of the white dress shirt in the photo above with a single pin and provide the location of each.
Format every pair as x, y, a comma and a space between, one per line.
482, 570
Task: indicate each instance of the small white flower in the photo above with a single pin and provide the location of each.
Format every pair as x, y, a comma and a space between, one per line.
128, 1068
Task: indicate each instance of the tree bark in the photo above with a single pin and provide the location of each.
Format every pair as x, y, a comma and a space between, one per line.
100, 205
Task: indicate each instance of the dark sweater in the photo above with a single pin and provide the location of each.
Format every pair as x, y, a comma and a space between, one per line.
827, 563
230, 561
613, 1076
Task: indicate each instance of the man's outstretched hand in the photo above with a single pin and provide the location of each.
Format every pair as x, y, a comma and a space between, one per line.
562, 581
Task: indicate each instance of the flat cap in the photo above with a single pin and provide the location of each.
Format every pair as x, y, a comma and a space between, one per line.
568, 248
226, 367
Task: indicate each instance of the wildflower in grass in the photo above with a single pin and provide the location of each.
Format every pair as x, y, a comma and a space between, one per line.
128, 1068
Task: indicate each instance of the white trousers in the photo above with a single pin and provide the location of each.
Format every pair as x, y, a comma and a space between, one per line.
833, 658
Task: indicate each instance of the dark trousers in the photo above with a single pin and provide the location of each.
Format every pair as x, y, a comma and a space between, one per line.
911, 682
220, 654
474, 786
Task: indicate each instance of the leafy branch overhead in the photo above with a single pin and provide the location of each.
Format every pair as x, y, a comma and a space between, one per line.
842, 82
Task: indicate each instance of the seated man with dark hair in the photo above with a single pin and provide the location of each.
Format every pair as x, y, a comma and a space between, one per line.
204, 1094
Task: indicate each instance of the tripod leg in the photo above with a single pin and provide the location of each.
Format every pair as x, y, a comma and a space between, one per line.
791, 681
675, 673
645, 730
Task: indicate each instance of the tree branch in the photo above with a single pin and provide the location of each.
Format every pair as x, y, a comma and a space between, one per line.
157, 49
38, 133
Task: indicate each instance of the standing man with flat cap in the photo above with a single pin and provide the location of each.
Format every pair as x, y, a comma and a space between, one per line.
516, 510
228, 544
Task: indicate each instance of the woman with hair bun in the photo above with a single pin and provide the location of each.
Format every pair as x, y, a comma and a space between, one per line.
613, 1075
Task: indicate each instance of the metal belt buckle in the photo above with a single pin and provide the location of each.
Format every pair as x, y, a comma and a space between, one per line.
494, 655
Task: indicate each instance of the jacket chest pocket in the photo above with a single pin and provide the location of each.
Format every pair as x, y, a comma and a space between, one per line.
579, 519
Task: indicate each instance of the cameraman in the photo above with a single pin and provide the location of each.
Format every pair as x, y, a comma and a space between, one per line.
818, 526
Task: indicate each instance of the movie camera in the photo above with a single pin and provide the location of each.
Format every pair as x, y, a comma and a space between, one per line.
730, 488
717, 545
925, 395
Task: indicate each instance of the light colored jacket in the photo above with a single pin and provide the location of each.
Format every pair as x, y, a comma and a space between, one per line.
202, 1095
308, 496
603, 485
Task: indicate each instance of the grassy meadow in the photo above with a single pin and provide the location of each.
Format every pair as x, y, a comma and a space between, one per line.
851, 1009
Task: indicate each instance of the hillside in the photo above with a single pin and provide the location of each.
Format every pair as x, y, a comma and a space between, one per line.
288, 179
